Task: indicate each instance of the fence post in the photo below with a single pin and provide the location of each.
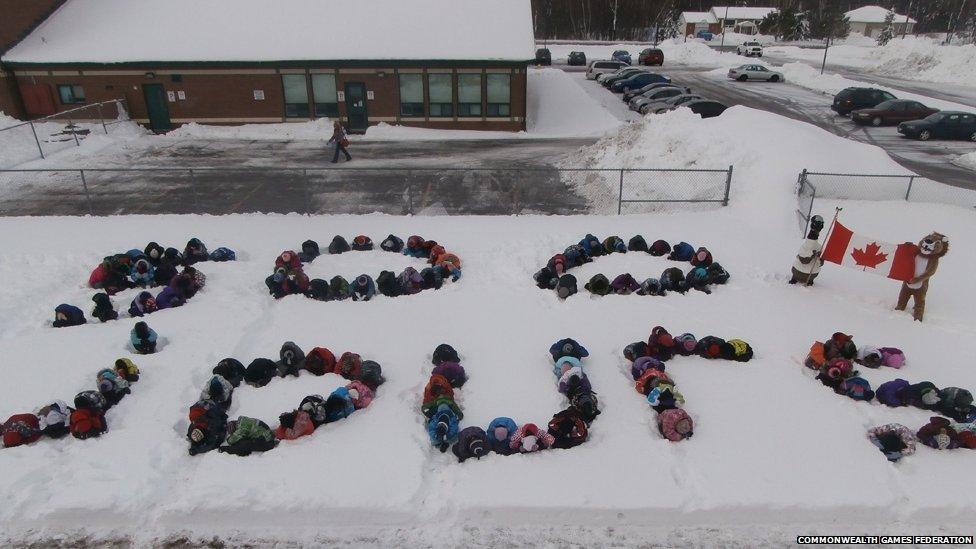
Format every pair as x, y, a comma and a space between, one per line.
515, 193
911, 181
84, 183
102, 119
409, 192
73, 132
36, 140
620, 196
728, 187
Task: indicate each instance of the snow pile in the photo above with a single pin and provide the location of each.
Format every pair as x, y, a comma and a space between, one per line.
766, 163
375, 478
920, 58
315, 130
967, 160
17, 143
677, 51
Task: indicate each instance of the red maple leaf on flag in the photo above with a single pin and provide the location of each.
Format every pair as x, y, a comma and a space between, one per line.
870, 256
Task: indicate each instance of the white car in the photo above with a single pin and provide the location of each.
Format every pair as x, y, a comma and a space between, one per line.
749, 49
755, 72
598, 68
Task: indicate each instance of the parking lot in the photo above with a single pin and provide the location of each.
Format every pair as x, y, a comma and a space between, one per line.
932, 159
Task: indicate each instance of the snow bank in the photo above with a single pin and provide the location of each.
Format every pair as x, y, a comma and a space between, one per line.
766, 162
677, 51
17, 144
315, 130
966, 160
373, 480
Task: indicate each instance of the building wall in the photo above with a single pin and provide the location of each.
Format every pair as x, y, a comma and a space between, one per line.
874, 29
10, 103
228, 95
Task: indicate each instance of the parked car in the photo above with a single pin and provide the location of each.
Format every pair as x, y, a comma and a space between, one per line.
543, 56
624, 73
654, 95
576, 58
650, 56
634, 93
749, 49
603, 67
704, 35
755, 72
941, 125
637, 82
621, 55
704, 108
664, 105
892, 112
851, 99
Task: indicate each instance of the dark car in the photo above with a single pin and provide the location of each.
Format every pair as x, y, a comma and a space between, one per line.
650, 56
892, 112
576, 58
941, 125
543, 56
622, 74
704, 35
851, 99
705, 108
634, 93
621, 55
637, 82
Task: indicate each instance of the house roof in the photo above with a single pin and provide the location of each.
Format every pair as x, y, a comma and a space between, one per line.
874, 14
698, 17
132, 31
736, 12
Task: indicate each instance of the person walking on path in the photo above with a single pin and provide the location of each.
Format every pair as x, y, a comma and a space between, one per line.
340, 140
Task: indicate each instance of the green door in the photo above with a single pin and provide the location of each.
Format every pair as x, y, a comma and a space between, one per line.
356, 106
156, 105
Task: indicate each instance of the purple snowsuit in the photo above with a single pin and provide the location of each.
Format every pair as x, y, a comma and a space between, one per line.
624, 284
891, 392
453, 371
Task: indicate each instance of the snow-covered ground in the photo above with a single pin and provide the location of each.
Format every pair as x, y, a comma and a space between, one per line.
17, 143
967, 160
912, 58
762, 467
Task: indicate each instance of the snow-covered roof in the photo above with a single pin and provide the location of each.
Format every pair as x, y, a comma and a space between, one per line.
736, 12
874, 14
121, 31
698, 17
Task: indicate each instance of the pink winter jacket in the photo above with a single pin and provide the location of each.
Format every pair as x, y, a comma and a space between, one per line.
365, 394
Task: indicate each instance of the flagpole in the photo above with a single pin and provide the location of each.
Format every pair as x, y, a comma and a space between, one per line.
826, 238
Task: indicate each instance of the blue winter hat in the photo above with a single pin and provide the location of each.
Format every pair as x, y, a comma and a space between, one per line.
571, 360
223, 254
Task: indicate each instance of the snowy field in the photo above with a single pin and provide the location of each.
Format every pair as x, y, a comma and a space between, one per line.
775, 454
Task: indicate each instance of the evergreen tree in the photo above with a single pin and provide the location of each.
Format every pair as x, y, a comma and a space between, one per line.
888, 31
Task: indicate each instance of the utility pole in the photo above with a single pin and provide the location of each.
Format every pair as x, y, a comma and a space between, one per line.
723, 27
908, 12
827, 47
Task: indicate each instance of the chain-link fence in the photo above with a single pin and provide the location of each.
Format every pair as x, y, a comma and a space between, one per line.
341, 190
42, 137
911, 188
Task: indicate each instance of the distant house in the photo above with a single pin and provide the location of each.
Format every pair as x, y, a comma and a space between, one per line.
693, 22
739, 19
870, 21
450, 64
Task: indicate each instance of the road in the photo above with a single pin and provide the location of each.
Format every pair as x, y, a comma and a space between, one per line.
499, 177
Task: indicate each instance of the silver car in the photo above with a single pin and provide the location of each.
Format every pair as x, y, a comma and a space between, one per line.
657, 94
597, 68
665, 105
755, 72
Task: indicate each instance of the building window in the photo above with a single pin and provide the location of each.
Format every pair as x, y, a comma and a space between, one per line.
296, 95
499, 94
441, 90
324, 95
71, 93
411, 94
469, 95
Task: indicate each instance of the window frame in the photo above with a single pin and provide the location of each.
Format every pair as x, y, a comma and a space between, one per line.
331, 108
284, 97
440, 104
71, 88
422, 104
461, 105
489, 104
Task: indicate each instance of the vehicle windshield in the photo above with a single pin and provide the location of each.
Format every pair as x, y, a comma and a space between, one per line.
621, 52
937, 117
887, 105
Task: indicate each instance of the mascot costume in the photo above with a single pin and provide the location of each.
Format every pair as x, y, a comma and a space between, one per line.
930, 250
808, 260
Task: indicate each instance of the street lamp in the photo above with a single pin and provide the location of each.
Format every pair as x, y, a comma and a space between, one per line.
723, 27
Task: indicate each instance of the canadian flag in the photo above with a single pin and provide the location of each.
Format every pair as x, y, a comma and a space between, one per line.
846, 248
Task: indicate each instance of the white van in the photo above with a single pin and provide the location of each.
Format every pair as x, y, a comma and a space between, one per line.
597, 68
